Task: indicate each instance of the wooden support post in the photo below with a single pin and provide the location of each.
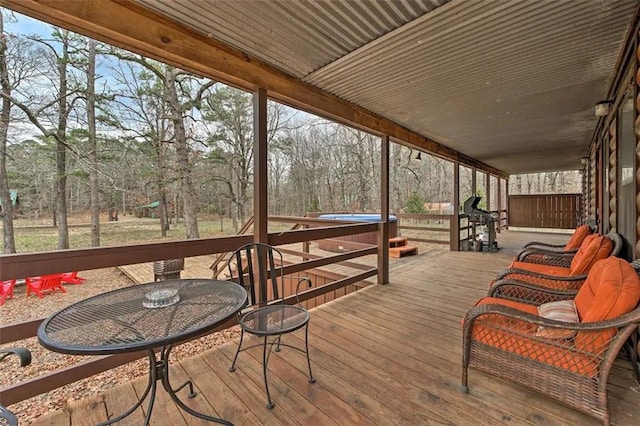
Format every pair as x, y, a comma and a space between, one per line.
474, 186
499, 192
454, 223
506, 190
383, 230
487, 188
260, 197
305, 245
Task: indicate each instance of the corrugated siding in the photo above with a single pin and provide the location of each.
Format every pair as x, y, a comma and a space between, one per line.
298, 36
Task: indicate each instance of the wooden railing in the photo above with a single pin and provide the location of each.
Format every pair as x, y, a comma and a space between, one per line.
22, 265
416, 232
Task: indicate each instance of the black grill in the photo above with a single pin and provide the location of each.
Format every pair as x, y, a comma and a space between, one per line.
477, 216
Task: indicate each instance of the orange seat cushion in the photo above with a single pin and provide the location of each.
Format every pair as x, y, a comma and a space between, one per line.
578, 236
612, 289
520, 338
557, 271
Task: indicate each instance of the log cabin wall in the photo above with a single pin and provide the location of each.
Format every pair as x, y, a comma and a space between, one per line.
593, 186
637, 133
613, 173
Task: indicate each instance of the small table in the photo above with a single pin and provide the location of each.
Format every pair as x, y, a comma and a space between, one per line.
144, 317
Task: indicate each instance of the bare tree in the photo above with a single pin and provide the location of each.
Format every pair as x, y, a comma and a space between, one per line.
6, 209
228, 113
93, 144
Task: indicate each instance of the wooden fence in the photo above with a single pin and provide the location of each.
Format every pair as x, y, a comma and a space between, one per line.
561, 211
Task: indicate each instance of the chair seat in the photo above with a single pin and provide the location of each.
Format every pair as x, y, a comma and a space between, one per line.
274, 320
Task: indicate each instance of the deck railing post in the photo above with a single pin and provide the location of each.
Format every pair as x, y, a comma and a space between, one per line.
454, 222
260, 225
383, 229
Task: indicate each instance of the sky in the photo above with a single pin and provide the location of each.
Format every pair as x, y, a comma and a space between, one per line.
26, 25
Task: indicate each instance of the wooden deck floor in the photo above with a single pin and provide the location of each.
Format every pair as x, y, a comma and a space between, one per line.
383, 355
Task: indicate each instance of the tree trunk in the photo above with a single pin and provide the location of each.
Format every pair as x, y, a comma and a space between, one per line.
61, 149
6, 212
93, 145
182, 156
164, 212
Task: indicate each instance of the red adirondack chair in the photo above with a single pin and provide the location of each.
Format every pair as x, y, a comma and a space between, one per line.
72, 278
45, 283
6, 290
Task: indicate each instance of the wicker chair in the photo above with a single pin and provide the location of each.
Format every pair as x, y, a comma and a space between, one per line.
572, 245
167, 269
6, 416
556, 255
567, 361
593, 249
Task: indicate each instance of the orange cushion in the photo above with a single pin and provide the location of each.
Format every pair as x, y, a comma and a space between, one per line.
611, 289
578, 236
590, 252
518, 337
557, 271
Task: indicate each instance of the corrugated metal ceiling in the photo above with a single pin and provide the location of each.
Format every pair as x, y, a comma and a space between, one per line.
511, 83
297, 36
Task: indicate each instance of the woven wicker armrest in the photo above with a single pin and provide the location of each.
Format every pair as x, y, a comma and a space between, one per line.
544, 257
527, 292
546, 252
544, 246
526, 273
551, 281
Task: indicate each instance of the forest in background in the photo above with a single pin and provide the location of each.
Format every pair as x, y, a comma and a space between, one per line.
88, 128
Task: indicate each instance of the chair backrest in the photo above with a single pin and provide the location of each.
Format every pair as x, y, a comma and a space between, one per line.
50, 281
259, 269
578, 237
612, 289
6, 289
595, 247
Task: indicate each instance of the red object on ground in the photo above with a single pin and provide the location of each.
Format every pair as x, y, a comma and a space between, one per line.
46, 283
6, 290
72, 278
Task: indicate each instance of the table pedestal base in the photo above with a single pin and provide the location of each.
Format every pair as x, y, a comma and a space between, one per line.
159, 371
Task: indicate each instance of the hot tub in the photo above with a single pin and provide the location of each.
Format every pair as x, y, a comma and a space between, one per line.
337, 245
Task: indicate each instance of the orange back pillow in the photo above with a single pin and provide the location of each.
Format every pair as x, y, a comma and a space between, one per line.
611, 290
578, 237
595, 247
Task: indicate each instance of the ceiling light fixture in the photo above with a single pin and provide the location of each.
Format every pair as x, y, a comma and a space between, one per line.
602, 108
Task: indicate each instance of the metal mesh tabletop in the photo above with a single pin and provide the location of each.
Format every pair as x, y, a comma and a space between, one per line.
142, 316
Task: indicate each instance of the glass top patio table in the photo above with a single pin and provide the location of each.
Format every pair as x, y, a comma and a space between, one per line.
142, 316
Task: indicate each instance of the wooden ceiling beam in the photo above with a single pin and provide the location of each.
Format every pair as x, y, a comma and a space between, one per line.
128, 25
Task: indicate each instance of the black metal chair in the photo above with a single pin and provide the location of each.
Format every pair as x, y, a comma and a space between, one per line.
259, 269
6, 416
